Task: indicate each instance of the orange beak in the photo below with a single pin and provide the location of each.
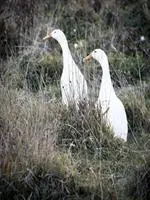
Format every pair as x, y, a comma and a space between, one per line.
87, 58
47, 37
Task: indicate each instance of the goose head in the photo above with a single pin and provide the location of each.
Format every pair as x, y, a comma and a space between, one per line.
56, 34
99, 55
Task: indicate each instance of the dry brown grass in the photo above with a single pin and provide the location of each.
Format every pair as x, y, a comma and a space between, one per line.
43, 145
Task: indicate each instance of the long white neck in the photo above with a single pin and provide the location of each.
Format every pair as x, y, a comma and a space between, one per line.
67, 57
106, 89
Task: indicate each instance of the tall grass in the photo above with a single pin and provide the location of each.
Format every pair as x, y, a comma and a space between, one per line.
50, 152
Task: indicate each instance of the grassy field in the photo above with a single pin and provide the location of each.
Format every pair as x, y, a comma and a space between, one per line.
50, 152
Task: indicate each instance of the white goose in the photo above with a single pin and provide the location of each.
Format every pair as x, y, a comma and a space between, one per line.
73, 83
110, 104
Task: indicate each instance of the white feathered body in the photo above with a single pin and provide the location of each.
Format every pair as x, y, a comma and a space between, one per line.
73, 83
112, 108
114, 113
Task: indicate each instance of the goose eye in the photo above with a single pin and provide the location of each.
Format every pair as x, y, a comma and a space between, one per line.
95, 51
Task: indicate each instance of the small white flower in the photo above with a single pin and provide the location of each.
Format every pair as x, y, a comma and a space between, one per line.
72, 145
142, 38
75, 45
74, 30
